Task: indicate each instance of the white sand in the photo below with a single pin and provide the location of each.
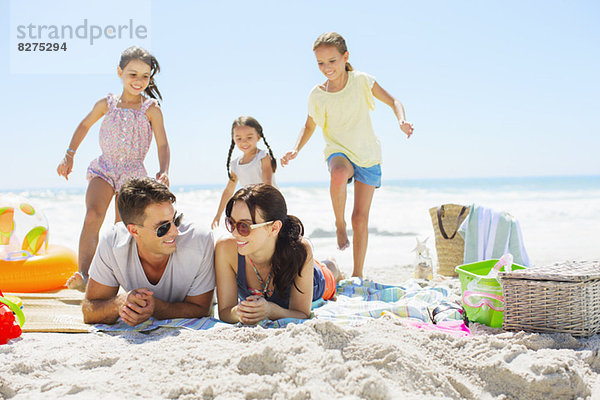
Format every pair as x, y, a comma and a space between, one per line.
317, 360
382, 359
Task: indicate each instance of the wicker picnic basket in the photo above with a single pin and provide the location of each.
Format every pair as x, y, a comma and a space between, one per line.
449, 245
562, 298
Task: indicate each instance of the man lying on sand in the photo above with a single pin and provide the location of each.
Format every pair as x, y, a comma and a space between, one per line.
165, 266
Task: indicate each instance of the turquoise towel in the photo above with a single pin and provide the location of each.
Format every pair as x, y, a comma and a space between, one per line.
490, 234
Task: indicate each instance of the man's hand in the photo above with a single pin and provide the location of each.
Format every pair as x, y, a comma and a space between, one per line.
137, 307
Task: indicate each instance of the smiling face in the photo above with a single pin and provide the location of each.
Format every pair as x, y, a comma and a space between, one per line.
258, 237
331, 62
148, 242
246, 138
135, 77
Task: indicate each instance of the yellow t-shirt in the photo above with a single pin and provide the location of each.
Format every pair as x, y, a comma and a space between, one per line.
345, 120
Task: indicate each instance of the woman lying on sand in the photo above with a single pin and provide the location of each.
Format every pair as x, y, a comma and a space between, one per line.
267, 270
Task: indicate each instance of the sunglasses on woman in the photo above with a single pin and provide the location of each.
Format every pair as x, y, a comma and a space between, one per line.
242, 227
163, 229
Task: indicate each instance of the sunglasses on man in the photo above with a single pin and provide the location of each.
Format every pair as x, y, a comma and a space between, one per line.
242, 227
163, 229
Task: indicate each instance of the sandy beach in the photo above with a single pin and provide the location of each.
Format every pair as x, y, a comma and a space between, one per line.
501, 96
379, 359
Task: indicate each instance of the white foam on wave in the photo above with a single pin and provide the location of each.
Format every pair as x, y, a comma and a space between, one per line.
556, 224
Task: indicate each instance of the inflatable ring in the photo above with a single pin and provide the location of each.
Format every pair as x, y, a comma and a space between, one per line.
40, 273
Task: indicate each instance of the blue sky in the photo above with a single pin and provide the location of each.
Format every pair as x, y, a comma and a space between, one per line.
492, 88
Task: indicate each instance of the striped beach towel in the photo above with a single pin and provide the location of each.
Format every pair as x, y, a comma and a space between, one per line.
357, 301
152, 324
360, 301
490, 234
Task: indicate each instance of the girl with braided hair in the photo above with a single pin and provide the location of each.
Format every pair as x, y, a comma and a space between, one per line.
254, 166
266, 270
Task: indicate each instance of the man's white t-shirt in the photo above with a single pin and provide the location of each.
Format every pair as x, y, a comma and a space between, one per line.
190, 270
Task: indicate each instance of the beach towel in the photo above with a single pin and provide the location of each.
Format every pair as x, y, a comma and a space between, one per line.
491, 234
358, 301
197, 324
58, 311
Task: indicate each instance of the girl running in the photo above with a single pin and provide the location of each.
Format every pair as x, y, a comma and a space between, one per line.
130, 120
340, 106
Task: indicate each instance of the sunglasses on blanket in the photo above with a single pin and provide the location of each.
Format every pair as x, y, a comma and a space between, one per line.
242, 227
163, 229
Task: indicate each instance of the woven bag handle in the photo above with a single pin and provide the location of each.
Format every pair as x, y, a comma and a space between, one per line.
441, 225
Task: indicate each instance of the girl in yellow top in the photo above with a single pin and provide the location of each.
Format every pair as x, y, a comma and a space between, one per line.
341, 106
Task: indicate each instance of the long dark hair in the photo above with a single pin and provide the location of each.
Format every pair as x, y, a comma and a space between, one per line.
137, 53
253, 123
290, 253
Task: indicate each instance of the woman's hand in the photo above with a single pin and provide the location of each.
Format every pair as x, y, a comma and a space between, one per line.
253, 310
65, 166
215, 222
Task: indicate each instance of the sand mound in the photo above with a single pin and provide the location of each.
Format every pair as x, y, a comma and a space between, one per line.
316, 360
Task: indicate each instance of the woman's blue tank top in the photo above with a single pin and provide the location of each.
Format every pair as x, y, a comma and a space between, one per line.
284, 302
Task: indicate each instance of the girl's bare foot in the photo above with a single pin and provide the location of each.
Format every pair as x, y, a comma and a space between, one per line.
76, 282
342, 238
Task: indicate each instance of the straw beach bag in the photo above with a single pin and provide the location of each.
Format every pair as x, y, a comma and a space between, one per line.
446, 220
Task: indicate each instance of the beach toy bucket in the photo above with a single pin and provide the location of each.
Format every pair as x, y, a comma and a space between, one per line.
481, 292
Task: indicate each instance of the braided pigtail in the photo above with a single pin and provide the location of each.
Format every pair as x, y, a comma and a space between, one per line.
273, 161
231, 147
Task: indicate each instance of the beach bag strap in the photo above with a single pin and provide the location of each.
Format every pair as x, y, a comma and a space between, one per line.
440, 211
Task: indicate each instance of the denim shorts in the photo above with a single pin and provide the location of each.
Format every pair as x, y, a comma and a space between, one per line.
367, 175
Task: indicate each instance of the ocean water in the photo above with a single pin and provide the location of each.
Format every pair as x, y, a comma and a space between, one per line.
559, 216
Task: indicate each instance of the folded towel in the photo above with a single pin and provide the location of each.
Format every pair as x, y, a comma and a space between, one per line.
490, 234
